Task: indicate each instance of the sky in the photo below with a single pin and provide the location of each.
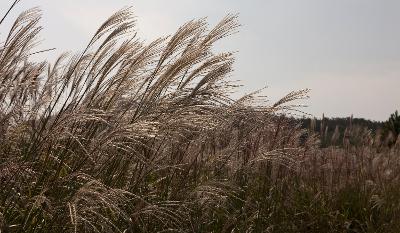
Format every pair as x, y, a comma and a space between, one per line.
346, 51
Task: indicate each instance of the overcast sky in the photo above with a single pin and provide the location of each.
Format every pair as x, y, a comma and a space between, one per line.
346, 51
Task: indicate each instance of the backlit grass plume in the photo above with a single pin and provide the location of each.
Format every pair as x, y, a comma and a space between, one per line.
125, 136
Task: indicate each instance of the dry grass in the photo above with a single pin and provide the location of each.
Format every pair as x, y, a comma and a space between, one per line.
133, 137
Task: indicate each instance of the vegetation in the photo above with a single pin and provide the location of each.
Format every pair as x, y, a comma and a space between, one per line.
392, 128
334, 131
134, 137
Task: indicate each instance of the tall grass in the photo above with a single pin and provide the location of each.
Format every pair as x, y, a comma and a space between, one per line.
133, 137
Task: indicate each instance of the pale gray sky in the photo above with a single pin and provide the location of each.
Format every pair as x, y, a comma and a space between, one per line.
346, 51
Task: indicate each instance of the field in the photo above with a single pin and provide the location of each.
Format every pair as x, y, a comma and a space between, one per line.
133, 137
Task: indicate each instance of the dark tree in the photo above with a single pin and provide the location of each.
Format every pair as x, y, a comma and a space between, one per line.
392, 125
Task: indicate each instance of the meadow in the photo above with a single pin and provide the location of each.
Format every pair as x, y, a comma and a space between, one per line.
128, 136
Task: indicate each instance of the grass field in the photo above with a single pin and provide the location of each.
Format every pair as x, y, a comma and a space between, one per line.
133, 137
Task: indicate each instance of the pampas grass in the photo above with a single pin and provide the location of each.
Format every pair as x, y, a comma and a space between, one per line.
133, 137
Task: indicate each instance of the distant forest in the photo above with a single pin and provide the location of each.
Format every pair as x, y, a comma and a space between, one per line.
326, 127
